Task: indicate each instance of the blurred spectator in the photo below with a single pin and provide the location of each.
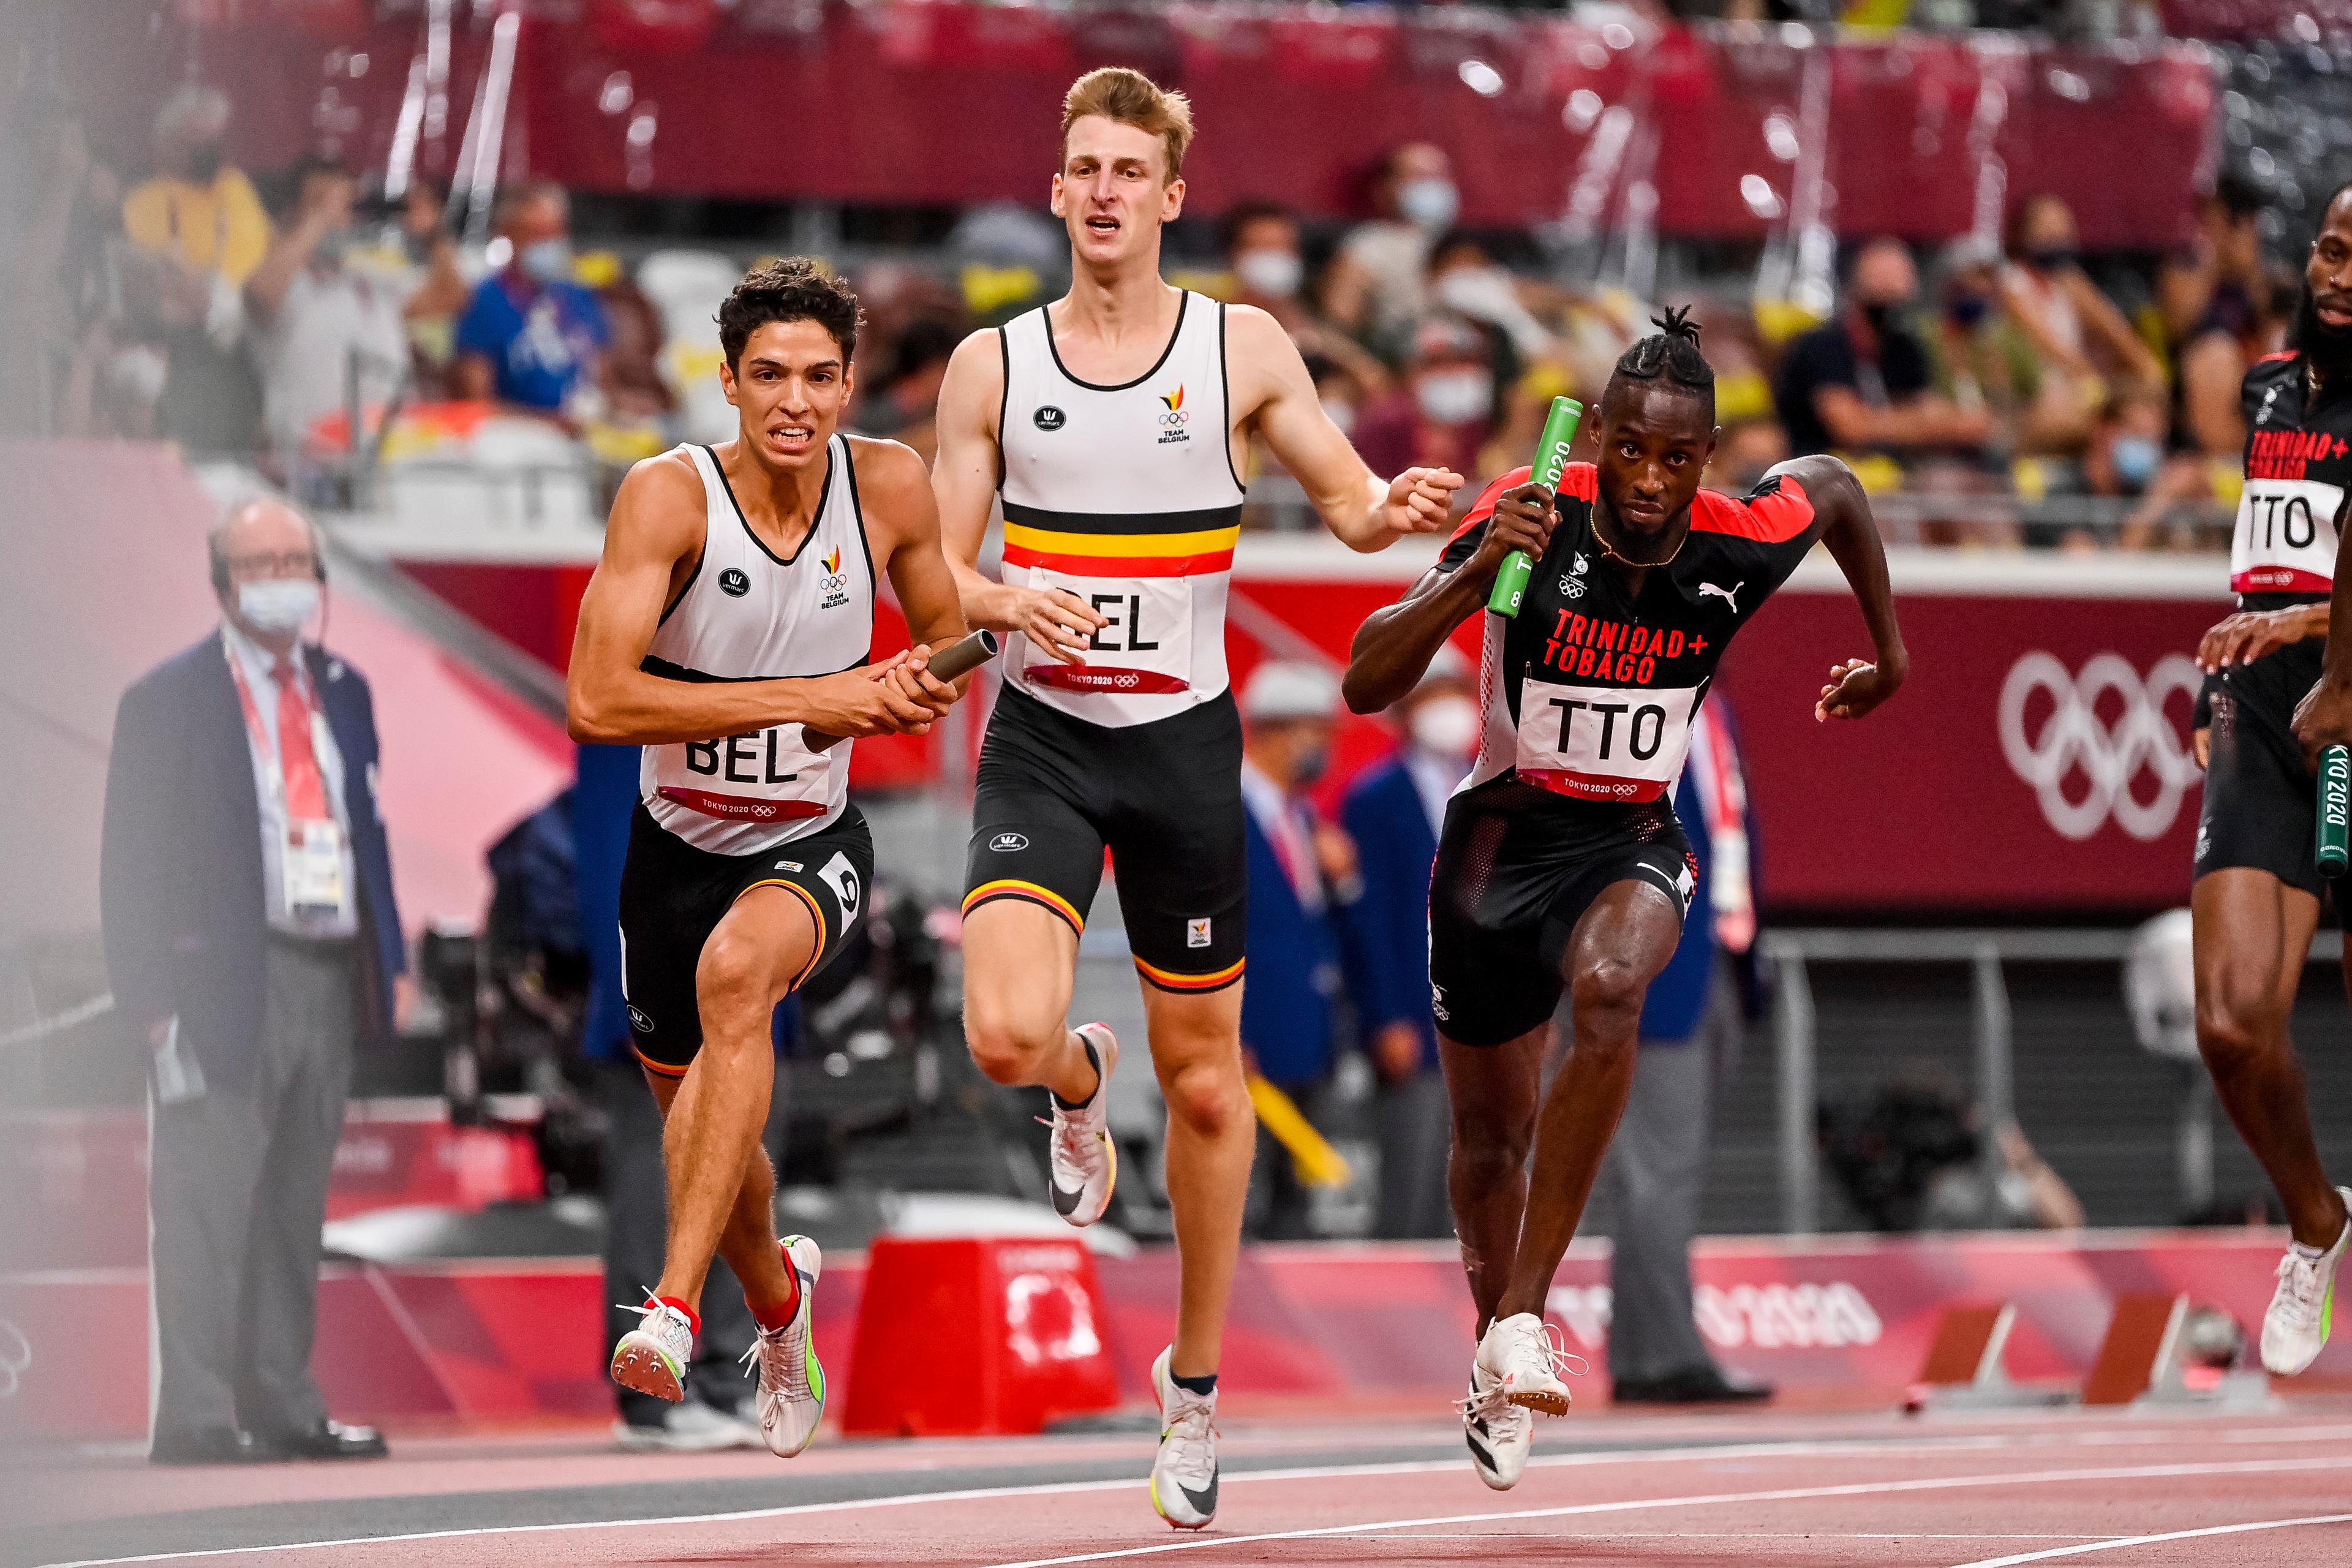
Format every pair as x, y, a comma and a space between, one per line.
1859, 384
531, 337
253, 942
1691, 1022
52, 322
1465, 278
329, 335
202, 217
1441, 416
1270, 268
1908, 1157
637, 406
2216, 279
1374, 286
2214, 297
1393, 811
413, 253
2080, 340
906, 408
2125, 456
1980, 359
1304, 872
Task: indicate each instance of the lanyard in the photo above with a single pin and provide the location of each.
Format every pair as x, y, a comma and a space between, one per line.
262, 740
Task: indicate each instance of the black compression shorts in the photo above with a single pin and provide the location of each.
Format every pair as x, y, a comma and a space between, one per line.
1515, 870
673, 896
2260, 805
1165, 798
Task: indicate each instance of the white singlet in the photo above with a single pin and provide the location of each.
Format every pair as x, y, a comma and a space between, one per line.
1125, 496
748, 615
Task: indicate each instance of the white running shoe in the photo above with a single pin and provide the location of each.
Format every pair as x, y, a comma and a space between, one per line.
1083, 1160
792, 1383
2303, 1306
691, 1427
1519, 1354
1184, 1475
651, 1358
1500, 1434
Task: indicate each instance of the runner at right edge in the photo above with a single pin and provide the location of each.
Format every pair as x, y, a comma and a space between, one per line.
1561, 862
2255, 904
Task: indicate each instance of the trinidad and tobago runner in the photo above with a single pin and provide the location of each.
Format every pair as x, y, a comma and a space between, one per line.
1561, 862
1112, 423
2255, 904
727, 631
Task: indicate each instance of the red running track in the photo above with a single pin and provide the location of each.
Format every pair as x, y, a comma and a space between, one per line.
1767, 1489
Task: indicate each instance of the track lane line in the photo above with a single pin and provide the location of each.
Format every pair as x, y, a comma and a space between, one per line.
1710, 1500
2056, 1552
1921, 1447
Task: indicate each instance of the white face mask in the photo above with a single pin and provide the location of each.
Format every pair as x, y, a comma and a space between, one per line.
1276, 274
1429, 204
1483, 293
278, 606
1446, 727
1454, 396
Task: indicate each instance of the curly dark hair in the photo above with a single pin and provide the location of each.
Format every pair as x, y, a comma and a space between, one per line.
1670, 355
794, 289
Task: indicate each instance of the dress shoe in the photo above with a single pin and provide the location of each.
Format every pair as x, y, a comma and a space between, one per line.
1693, 1385
205, 1446
329, 1440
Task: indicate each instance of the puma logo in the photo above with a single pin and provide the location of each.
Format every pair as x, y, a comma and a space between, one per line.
1729, 596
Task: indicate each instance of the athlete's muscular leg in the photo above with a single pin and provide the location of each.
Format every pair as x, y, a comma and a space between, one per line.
1617, 949
721, 1187
1020, 963
1495, 1091
1196, 1048
2251, 934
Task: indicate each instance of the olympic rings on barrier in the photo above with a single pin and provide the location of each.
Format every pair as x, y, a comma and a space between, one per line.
2110, 758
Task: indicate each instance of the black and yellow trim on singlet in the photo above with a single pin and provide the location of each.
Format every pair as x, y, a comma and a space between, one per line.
1129, 544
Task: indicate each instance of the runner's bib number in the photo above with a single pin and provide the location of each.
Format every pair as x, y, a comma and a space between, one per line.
1594, 742
767, 775
2285, 538
1144, 648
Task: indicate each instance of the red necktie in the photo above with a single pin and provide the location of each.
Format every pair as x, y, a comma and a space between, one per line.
306, 791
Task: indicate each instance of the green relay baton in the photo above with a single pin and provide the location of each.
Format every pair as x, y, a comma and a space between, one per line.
1552, 456
2335, 848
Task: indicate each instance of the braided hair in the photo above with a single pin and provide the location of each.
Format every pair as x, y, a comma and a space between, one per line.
1667, 357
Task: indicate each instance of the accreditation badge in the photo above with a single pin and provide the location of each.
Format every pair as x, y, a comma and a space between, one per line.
312, 867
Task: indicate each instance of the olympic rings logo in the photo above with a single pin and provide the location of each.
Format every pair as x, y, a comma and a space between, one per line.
2110, 756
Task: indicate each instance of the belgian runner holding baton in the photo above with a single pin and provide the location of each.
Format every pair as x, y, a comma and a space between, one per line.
727, 631
1561, 862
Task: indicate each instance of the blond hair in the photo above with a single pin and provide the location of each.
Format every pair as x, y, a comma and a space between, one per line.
1130, 98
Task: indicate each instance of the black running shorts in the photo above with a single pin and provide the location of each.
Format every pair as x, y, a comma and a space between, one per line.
1517, 869
673, 896
2259, 807
1165, 798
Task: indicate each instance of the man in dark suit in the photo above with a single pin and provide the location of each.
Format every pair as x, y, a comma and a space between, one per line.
1692, 1021
251, 935
1302, 878
1393, 811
